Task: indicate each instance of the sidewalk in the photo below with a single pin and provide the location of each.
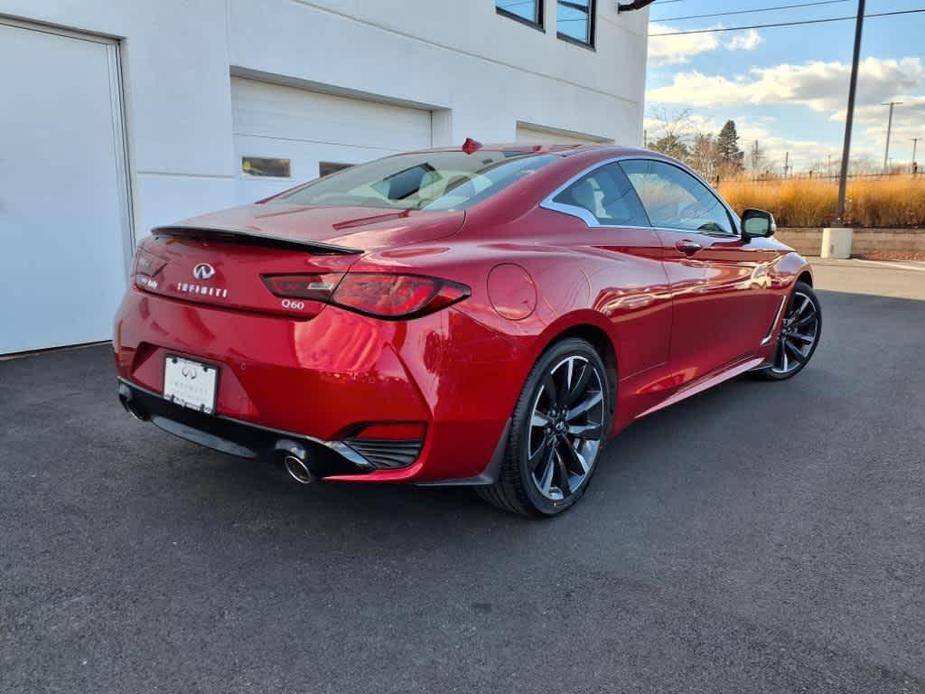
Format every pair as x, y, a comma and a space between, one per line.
901, 279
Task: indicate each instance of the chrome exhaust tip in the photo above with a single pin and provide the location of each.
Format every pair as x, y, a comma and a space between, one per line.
298, 469
133, 409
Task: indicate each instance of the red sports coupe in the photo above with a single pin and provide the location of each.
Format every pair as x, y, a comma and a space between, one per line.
486, 316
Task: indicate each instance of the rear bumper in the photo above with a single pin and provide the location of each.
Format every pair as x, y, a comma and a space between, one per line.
242, 439
317, 383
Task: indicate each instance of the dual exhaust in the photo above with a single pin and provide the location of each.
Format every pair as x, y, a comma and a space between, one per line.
295, 459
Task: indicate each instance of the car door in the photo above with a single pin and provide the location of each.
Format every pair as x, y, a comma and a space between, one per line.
722, 305
624, 269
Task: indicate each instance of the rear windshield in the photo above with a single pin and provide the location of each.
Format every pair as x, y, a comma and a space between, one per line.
425, 181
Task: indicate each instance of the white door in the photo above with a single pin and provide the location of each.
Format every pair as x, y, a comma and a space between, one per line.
538, 135
286, 135
64, 240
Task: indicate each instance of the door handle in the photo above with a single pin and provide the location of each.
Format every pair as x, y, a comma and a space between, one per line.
688, 247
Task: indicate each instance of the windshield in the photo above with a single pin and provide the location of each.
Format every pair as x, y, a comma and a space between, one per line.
423, 181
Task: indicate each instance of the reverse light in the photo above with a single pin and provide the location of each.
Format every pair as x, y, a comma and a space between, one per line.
383, 295
313, 287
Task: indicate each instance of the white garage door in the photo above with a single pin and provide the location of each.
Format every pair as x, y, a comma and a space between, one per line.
64, 241
538, 135
286, 135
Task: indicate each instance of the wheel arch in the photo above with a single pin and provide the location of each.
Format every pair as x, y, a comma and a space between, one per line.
589, 329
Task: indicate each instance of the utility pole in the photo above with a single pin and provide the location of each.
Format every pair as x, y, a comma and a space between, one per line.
849, 121
915, 147
786, 164
889, 130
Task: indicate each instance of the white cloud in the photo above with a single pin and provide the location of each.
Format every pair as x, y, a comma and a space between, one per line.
818, 85
674, 50
679, 49
746, 41
908, 120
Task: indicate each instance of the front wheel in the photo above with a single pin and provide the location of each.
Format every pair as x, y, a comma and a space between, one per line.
799, 335
560, 424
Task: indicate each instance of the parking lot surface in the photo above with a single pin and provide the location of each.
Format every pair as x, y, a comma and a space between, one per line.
761, 537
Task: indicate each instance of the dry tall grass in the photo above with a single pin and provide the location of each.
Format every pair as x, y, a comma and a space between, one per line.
897, 201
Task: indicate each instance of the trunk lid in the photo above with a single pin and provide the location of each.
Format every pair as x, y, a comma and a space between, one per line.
359, 228
220, 259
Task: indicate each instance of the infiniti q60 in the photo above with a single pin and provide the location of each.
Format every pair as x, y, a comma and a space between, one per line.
487, 316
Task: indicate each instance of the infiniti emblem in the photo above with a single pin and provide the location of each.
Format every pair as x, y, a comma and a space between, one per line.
203, 271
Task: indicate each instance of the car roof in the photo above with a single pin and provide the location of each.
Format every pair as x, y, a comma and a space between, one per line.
561, 149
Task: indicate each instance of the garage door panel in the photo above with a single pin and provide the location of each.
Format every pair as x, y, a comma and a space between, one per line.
307, 127
276, 111
305, 159
538, 135
62, 191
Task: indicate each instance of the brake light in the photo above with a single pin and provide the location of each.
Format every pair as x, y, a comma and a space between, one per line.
384, 295
145, 267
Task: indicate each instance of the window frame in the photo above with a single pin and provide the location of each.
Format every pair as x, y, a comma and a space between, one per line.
539, 25
592, 28
734, 221
549, 203
587, 215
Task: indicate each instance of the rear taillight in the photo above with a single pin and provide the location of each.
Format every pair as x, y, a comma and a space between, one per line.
384, 295
314, 287
145, 267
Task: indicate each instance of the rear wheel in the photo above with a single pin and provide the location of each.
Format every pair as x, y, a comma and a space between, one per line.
799, 335
560, 424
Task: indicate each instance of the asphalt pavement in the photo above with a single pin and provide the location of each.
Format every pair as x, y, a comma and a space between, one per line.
761, 537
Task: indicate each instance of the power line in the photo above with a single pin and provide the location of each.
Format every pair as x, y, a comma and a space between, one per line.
786, 24
763, 9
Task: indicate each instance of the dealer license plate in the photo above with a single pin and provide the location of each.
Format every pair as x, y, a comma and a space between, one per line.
190, 383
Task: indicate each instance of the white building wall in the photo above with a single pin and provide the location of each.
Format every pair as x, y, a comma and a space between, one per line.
480, 72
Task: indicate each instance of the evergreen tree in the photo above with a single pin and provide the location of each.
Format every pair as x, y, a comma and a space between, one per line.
727, 143
672, 145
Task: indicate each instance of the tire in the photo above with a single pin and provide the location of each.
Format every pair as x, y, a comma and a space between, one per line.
800, 334
566, 404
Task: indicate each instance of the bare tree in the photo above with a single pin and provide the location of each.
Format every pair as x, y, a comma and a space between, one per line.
705, 156
673, 132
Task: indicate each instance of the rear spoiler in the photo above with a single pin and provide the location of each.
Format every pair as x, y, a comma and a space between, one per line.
252, 238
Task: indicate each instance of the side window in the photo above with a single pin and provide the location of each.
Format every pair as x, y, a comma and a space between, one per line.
608, 195
674, 199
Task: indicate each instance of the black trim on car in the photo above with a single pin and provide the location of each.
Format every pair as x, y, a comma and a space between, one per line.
241, 439
254, 238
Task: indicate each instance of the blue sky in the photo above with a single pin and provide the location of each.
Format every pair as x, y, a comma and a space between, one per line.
787, 87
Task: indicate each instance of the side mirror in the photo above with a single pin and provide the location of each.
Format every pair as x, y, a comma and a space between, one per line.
757, 224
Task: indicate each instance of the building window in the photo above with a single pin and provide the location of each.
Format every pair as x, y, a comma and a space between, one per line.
526, 11
575, 21
265, 166
326, 168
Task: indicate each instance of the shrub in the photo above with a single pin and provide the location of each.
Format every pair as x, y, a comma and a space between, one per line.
803, 202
